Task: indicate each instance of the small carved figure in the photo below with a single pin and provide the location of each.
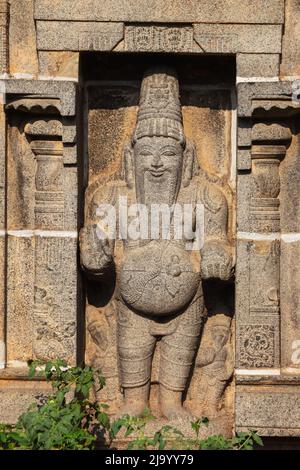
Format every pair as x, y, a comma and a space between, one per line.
215, 365
158, 294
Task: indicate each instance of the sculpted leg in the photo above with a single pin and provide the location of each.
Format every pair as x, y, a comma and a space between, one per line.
136, 348
178, 352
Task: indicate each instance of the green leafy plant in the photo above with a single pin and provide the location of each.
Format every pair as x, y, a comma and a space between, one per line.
68, 419
172, 438
136, 428
65, 420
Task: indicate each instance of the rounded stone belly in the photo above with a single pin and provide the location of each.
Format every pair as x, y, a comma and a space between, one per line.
158, 279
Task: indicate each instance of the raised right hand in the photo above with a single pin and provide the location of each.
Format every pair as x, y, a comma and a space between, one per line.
96, 252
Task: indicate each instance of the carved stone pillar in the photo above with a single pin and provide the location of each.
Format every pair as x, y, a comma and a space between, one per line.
41, 228
259, 337
267, 277
54, 329
49, 196
267, 152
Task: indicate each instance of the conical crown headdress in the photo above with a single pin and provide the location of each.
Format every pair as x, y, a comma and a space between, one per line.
159, 109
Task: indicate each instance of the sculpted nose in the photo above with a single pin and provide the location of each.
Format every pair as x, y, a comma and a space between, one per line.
156, 162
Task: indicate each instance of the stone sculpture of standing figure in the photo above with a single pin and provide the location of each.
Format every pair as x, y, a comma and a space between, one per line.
158, 294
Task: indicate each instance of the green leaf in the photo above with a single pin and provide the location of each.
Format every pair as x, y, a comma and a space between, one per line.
257, 439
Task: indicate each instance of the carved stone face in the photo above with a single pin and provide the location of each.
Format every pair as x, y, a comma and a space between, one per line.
220, 335
158, 169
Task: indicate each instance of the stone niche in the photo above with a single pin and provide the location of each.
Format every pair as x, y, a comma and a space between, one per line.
81, 99
207, 103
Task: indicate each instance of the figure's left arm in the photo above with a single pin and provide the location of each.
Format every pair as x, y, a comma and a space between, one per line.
216, 253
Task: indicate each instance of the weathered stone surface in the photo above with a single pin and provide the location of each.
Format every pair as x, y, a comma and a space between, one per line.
80, 36
64, 90
159, 38
235, 38
69, 131
267, 379
22, 38
206, 118
244, 159
54, 322
41, 128
4, 22
20, 298
274, 94
47, 196
290, 193
268, 408
59, 64
2, 301
258, 304
17, 395
226, 11
290, 63
71, 189
243, 197
2, 235
290, 303
70, 152
20, 174
272, 133
2, 164
264, 210
257, 65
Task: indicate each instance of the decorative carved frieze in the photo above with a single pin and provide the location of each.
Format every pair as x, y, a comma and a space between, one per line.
156, 38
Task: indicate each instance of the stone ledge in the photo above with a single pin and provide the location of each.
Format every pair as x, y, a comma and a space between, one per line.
225, 11
267, 379
274, 410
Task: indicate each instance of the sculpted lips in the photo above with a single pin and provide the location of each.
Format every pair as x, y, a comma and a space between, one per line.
156, 173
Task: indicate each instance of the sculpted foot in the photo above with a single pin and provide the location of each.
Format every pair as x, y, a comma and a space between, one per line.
171, 404
136, 409
172, 411
135, 401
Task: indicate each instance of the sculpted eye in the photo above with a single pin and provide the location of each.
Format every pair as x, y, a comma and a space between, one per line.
169, 153
145, 153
